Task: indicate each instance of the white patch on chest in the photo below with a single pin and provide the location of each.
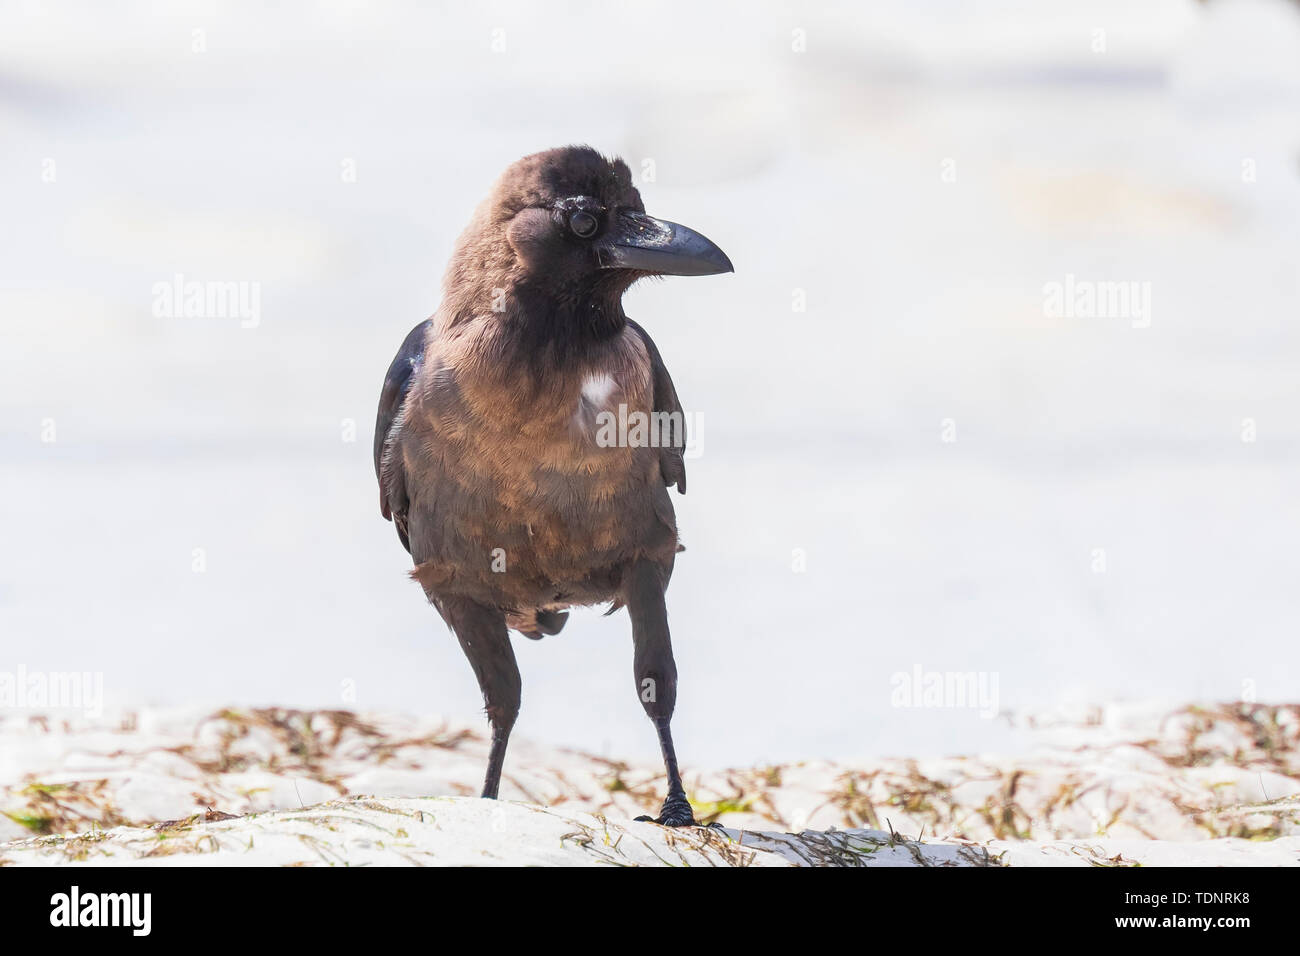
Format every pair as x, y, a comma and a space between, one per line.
597, 389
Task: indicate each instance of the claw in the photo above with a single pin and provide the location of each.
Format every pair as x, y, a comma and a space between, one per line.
676, 812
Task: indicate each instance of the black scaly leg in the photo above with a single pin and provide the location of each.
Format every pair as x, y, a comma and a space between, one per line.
483, 636
656, 678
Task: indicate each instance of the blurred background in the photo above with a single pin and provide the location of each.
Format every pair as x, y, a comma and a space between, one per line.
907, 457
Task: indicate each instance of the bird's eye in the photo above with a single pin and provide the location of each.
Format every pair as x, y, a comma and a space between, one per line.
583, 224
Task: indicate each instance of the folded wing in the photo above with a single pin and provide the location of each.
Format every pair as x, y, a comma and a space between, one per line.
393, 499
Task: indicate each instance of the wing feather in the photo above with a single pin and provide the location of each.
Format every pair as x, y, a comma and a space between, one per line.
671, 456
389, 470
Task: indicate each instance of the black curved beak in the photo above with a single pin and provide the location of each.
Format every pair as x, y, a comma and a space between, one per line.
641, 242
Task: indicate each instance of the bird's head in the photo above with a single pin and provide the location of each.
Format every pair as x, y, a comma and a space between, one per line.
569, 223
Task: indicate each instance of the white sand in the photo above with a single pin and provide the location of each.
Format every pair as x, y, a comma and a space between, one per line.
1215, 785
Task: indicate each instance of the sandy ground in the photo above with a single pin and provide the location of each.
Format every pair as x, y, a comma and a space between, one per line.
1112, 786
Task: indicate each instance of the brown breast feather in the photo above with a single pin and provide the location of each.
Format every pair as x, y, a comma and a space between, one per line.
511, 474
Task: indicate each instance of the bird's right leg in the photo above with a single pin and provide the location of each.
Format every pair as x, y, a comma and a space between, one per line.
482, 634
656, 678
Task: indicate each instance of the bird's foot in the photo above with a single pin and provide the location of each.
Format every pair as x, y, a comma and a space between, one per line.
676, 812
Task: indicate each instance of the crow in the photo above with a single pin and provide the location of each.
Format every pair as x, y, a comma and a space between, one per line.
528, 432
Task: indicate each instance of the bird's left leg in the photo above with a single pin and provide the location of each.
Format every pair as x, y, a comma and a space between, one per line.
483, 636
656, 678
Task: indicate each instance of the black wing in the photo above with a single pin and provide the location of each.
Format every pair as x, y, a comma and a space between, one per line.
671, 462
388, 468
